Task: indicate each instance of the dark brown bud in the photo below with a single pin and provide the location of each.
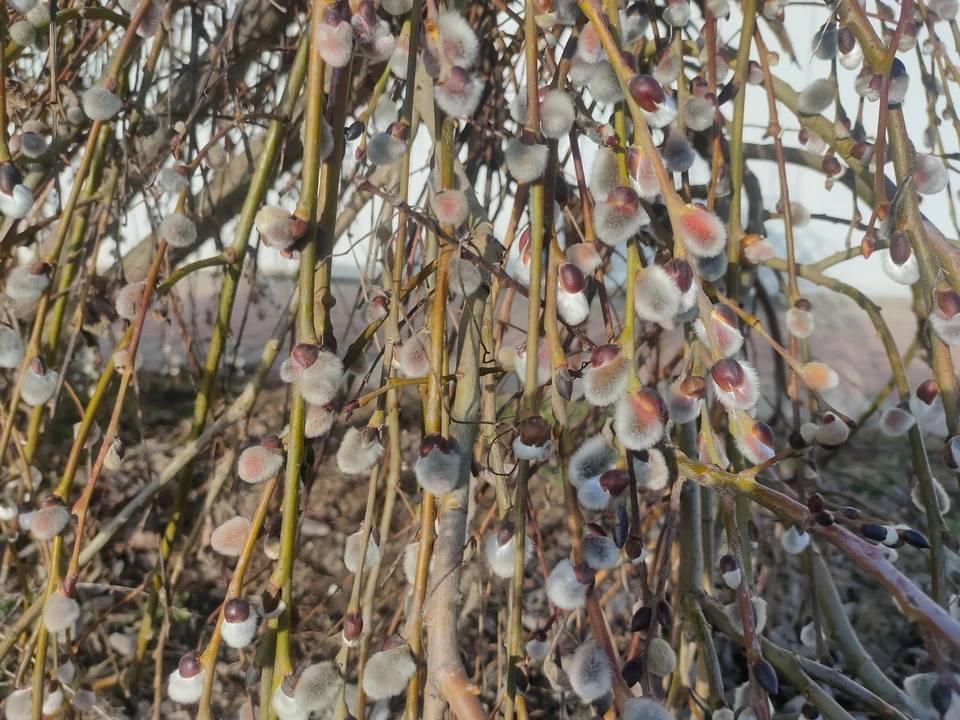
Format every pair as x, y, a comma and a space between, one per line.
928, 390
873, 531
563, 382
584, 574
189, 666
728, 563
505, 533
434, 440
664, 615
809, 712
606, 354
534, 431
846, 42
941, 696
237, 610
270, 599
681, 272
288, 684
561, 193
632, 672
272, 442
850, 513
634, 547
824, 517
354, 130
615, 481
694, 386
947, 453
804, 135
803, 304
728, 374
641, 619
795, 440
831, 166
914, 538
815, 503
571, 278
394, 641
753, 530
900, 250
38, 365
766, 676
305, 355
352, 626
10, 177
699, 86
646, 92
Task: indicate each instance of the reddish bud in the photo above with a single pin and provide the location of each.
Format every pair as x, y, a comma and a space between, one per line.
646, 92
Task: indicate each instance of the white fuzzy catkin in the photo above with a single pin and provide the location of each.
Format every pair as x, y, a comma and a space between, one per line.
317, 688
36, 389
178, 230
258, 464
460, 102
661, 657
732, 611
60, 612
17, 205
895, 422
385, 149
438, 472
229, 537
600, 552
594, 457
525, 163
101, 104
387, 673
652, 474
355, 456
168, 180
11, 347
557, 114
816, 97
563, 588
184, 690
657, 297
591, 675
795, 540
24, 285
464, 277
19, 704
649, 709
605, 385
240, 634
351, 552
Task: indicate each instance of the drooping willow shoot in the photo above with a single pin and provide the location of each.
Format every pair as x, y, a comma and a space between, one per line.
551, 420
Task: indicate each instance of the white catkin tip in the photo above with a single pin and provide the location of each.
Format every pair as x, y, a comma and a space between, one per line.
351, 552
387, 673
591, 675
563, 588
229, 537
184, 690
36, 389
594, 457
816, 97
101, 104
60, 612
317, 688
661, 657
647, 709
178, 230
11, 347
